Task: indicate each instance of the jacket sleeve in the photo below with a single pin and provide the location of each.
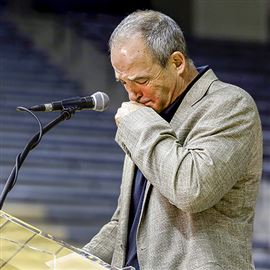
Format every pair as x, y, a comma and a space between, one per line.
196, 171
102, 244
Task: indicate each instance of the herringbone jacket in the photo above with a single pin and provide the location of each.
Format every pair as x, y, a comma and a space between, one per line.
204, 167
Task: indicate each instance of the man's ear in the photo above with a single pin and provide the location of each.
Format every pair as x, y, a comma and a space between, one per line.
178, 59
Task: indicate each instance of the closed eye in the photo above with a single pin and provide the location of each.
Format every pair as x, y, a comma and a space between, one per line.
141, 81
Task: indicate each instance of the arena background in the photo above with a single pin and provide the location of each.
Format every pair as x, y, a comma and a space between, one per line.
50, 50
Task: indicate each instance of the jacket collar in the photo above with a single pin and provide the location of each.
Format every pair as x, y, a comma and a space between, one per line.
194, 95
199, 88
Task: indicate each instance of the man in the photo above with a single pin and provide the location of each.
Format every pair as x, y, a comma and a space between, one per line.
193, 161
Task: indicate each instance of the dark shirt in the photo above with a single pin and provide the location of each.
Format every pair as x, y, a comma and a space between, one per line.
139, 184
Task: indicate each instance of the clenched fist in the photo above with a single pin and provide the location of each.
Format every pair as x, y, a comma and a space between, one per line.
125, 109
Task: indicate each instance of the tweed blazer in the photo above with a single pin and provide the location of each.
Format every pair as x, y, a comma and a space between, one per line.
203, 171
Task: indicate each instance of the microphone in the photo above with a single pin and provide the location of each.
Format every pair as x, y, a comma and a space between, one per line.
99, 101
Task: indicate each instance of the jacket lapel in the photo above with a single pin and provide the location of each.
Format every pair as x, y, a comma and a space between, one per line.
194, 95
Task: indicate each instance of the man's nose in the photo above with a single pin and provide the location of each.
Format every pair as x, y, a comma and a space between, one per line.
133, 94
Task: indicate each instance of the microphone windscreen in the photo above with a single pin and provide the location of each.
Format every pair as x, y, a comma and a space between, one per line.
101, 101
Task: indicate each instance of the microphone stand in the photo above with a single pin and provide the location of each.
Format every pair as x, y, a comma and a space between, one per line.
65, 115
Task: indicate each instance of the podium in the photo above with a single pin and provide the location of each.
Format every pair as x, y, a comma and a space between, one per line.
24, 247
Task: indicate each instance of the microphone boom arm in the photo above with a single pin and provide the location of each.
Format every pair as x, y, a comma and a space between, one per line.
65, 115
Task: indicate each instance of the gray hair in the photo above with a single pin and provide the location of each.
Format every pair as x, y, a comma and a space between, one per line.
162, 34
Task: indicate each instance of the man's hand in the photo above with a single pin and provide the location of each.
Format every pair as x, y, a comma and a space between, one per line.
125, 109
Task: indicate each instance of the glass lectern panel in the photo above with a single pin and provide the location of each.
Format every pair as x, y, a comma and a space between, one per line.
24, 247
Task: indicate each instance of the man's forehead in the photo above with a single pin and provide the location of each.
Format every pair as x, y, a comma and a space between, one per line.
130, 77
131, 69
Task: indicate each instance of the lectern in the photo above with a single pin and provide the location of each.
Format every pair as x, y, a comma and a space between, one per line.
24, 247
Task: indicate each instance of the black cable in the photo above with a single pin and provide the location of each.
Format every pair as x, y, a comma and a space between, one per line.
12, 179
28, 147
39, 124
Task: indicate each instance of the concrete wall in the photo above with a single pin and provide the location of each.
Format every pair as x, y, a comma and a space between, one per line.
241, 20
